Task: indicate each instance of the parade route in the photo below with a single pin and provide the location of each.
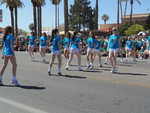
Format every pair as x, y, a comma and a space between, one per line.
97, 91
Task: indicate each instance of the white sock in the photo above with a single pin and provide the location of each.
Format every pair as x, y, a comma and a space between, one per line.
49, 69
1, 78
59, 70
14, 78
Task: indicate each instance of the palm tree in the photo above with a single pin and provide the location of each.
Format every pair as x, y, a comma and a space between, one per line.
132, 3
18, 4
105, 18
11, 5
40, 3
118, 12
56, 2
66, 15
34, 4
97, 7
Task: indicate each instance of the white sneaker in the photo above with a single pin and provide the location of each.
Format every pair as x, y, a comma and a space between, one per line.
80, 69
67, 67
15, 82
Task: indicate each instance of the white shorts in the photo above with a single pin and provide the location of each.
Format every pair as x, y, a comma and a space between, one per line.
31, 46
42, 47
128, 49
113, 50
74, 50
90, 50
96, 51
56, 52
66, 49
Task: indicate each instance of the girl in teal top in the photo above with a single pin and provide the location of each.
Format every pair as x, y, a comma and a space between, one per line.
8, 54
55, 51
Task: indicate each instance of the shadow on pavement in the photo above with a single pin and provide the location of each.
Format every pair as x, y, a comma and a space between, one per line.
135, 74
26, 87
38, 61
70, 76
75, 77
127, 65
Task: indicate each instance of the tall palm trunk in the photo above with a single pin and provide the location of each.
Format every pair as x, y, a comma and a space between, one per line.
66, 15
118, 12
40, 20
121, 12
125, 10
35, 19
12, 19
97, 14
56, 16
131, 13
16, 21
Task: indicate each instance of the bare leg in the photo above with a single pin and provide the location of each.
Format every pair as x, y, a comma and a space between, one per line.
59, 63
6, 59
14, 65
51, 62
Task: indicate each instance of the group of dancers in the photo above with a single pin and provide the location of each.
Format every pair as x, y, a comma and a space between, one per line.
71, 44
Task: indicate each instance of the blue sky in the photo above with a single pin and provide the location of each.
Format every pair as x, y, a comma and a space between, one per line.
108, 7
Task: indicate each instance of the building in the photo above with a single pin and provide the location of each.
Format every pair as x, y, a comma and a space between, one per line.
136, 18
107, 27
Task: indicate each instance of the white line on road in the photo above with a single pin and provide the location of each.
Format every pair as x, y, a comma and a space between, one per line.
21, 106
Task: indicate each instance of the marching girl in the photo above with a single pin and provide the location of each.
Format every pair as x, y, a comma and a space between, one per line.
55, 51
128, 48
148, 45
97, 49
105, 47
74, 50
66, 43
90, 50
31, 45
113, 47
43, 46
8, 54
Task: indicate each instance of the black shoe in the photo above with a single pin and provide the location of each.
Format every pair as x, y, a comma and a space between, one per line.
59, 74
1, 83
49, 73
101, 65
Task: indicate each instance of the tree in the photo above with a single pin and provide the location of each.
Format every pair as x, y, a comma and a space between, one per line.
82, 16
132, 3
123, 28
34, 4
134, 29
31, 27
66, 15
105, 18
97, 8
147, 25
11, 5
18, 4
40, 4
56, 3
126, 6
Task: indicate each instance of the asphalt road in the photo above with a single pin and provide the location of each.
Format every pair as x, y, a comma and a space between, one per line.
97, 91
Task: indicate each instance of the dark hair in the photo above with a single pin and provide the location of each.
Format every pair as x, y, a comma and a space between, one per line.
54, 32
8, 30
44, 34
74, 36
68, 35
32, 33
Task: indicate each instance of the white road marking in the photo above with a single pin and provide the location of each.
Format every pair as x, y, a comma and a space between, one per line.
21, 106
